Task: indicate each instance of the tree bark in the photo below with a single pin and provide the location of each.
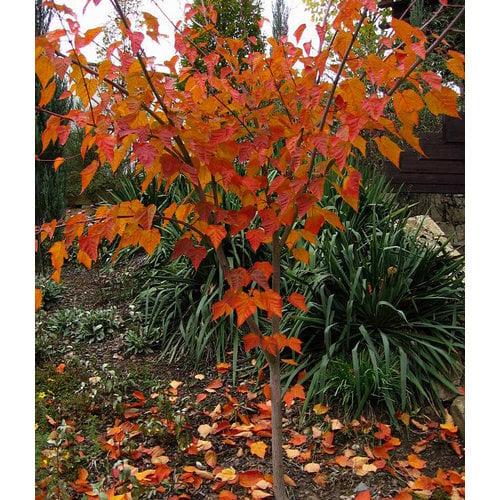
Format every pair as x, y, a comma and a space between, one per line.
279, 487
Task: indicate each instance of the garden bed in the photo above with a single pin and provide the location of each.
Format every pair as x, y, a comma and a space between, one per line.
137, 426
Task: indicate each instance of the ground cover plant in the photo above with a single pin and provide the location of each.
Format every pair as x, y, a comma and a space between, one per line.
254, 137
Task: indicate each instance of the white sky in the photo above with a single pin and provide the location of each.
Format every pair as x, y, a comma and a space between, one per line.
97, 16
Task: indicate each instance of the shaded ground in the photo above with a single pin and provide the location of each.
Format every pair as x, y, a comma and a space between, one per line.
117, 408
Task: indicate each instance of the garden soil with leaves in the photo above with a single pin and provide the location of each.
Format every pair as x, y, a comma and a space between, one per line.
111, 425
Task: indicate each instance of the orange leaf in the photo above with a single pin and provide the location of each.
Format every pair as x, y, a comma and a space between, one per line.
389, 149
216, 234
60, 368
211, 458
250, 478
149, 240
442, 102
416, 462
58, 162
298, 301
38, 298
223, 367
301, 254
227, 495
295, 392
320, 409
215, 384
258, 448
88, 173
47, 93
245, 307
363, 495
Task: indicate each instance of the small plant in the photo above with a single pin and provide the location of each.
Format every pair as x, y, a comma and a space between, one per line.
143, 340
65, 322
97, 325
51, 291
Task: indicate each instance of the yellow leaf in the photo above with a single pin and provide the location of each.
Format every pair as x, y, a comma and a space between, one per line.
211, 458
142, 475
320, 409
44, 69
228, 474
258, 448
204, 430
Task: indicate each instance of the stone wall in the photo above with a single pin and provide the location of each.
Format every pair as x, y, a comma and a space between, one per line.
447, 210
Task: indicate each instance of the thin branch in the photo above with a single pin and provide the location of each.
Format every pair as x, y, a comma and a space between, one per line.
431, 48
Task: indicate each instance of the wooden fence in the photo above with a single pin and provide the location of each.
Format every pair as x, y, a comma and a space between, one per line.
442, 170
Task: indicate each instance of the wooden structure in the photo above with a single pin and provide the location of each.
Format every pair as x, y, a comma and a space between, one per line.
442, 170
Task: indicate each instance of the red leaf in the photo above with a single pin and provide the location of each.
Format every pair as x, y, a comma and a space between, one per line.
185, 246
136, 39
298, 32
350, 188
238, 278
251, 340
298, 301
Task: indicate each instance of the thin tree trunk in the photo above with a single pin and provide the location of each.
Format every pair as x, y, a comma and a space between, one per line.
277, 432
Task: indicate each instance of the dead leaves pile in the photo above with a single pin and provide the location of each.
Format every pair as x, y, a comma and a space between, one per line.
218, 456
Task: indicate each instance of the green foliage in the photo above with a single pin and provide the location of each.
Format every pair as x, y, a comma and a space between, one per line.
374, 292
91, 326
52, 292
97, 325
235, 19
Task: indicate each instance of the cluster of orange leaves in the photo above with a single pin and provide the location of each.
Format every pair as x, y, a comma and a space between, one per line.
183, 123
236, 432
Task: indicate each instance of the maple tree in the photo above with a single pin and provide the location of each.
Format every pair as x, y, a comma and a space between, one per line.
269, 130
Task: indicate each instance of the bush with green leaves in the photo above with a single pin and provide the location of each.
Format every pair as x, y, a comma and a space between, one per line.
376, 293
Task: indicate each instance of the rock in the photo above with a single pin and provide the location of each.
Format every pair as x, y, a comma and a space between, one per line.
428, 232
457, 411
361, 487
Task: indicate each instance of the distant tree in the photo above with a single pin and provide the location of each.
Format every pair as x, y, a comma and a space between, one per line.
238, 19
50, 201
111, 30
280, 19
